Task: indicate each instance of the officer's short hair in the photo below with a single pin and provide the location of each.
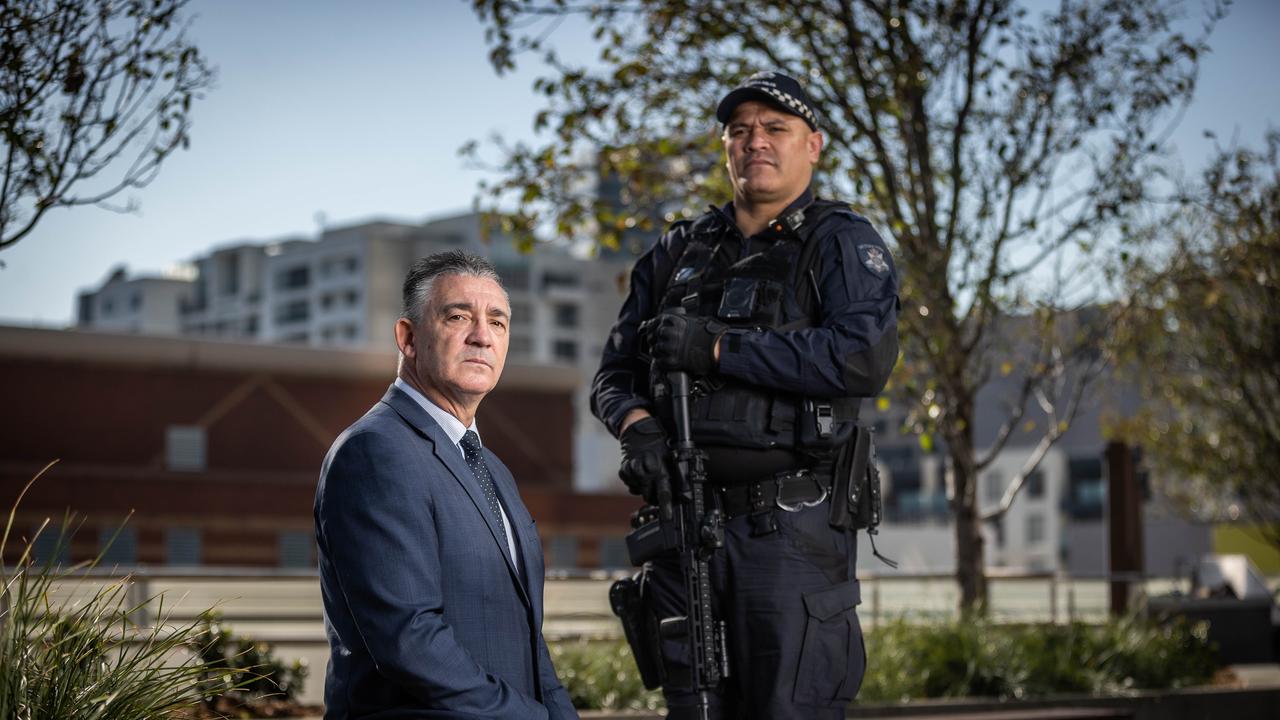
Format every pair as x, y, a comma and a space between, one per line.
422, 276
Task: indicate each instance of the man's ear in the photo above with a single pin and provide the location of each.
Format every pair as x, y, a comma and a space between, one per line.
404, 338
815, 147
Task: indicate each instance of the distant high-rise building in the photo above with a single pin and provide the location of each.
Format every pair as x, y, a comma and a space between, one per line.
227, 298
146, 304
343, 289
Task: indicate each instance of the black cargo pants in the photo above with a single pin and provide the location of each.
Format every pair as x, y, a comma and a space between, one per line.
786, 589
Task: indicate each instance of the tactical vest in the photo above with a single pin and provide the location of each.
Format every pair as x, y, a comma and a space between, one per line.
775, 288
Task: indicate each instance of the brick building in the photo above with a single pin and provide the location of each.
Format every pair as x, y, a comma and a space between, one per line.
215, 447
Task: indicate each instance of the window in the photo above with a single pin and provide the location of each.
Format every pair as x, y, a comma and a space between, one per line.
185, 448
49, 548
353, 298
898, 459
293, 311
119, 546
353, 264
559, 279
294, 277
567, 316
135, 302
565, 350
229, 276
1035, 529
520, 344
613, 553
514, 277
182, 546
995, 487
1035, 485
562, 552
326, 301
295, 549
86, 310
108, 307
1086, 492
521, 312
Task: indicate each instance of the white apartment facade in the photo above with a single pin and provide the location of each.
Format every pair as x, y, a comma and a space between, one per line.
343, 289
146, 305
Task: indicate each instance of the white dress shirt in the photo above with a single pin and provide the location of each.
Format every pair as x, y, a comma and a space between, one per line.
454, 429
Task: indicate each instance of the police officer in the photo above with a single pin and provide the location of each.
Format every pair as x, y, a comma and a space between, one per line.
783, 309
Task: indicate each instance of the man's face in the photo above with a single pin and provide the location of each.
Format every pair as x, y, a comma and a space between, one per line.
460, 345
770, 154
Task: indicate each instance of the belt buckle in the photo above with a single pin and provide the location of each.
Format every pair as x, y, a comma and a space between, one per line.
803, 504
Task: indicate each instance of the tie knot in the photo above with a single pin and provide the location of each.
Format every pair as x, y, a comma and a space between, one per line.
471, 443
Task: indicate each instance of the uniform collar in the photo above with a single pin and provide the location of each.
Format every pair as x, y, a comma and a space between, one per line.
803, 201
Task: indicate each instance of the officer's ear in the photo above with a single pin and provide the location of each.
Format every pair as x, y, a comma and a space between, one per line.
814, 144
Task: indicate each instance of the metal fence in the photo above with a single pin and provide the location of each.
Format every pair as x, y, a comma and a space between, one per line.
283, 606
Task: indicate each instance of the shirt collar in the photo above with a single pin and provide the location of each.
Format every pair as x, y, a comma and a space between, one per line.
451, 425
803, 201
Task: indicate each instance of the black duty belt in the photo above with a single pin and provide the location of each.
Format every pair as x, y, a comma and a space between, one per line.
791, 491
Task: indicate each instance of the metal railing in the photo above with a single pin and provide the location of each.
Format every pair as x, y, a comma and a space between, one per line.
284, 606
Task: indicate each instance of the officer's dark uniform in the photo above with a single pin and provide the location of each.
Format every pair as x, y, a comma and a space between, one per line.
782, 401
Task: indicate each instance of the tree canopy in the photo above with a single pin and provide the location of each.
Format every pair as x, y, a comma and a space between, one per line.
1000, 148
1202, 342
94, 95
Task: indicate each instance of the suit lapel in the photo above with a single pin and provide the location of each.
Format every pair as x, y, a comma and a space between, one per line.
451, 458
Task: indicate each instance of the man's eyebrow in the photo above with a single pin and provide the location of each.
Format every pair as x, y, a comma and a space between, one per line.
450, 307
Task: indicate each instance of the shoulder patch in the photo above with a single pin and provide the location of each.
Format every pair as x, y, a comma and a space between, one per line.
873, 258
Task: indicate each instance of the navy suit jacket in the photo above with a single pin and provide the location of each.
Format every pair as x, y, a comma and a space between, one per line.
425, 612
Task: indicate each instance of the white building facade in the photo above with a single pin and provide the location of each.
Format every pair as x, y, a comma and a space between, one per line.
147, 304
343, 289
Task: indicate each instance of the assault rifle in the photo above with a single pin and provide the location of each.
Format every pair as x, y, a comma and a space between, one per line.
684, 522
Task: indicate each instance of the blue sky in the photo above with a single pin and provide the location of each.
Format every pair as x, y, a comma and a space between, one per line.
356, 110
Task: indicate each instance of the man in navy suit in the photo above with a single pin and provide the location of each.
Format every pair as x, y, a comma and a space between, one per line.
430, 565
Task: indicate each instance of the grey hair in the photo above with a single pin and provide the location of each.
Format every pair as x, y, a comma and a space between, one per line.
422, 276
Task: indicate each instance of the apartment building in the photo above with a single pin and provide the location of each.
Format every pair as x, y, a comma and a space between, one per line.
343, 290
146, 304
1058, 522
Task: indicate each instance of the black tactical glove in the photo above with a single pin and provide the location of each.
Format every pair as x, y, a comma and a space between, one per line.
644, 457
684, 342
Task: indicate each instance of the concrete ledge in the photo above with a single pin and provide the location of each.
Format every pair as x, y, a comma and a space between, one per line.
1207, 703
1193, 704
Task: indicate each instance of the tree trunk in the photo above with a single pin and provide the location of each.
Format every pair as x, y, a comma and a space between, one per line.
970, 566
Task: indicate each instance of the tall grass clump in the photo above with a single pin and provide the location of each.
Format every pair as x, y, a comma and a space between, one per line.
83, 656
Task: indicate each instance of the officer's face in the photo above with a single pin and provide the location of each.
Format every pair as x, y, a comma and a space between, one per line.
459, 347
770, 154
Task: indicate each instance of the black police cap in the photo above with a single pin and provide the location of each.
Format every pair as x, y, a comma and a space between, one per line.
774, 88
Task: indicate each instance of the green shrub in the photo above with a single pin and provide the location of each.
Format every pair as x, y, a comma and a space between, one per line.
956, 658
602, 675
240, 671
84, 657
976, 658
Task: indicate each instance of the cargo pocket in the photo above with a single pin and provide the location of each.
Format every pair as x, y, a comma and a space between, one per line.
832, 659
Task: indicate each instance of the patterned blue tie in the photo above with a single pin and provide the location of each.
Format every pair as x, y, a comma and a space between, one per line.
475, 461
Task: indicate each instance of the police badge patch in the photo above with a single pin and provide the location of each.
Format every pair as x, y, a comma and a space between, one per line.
873, 258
